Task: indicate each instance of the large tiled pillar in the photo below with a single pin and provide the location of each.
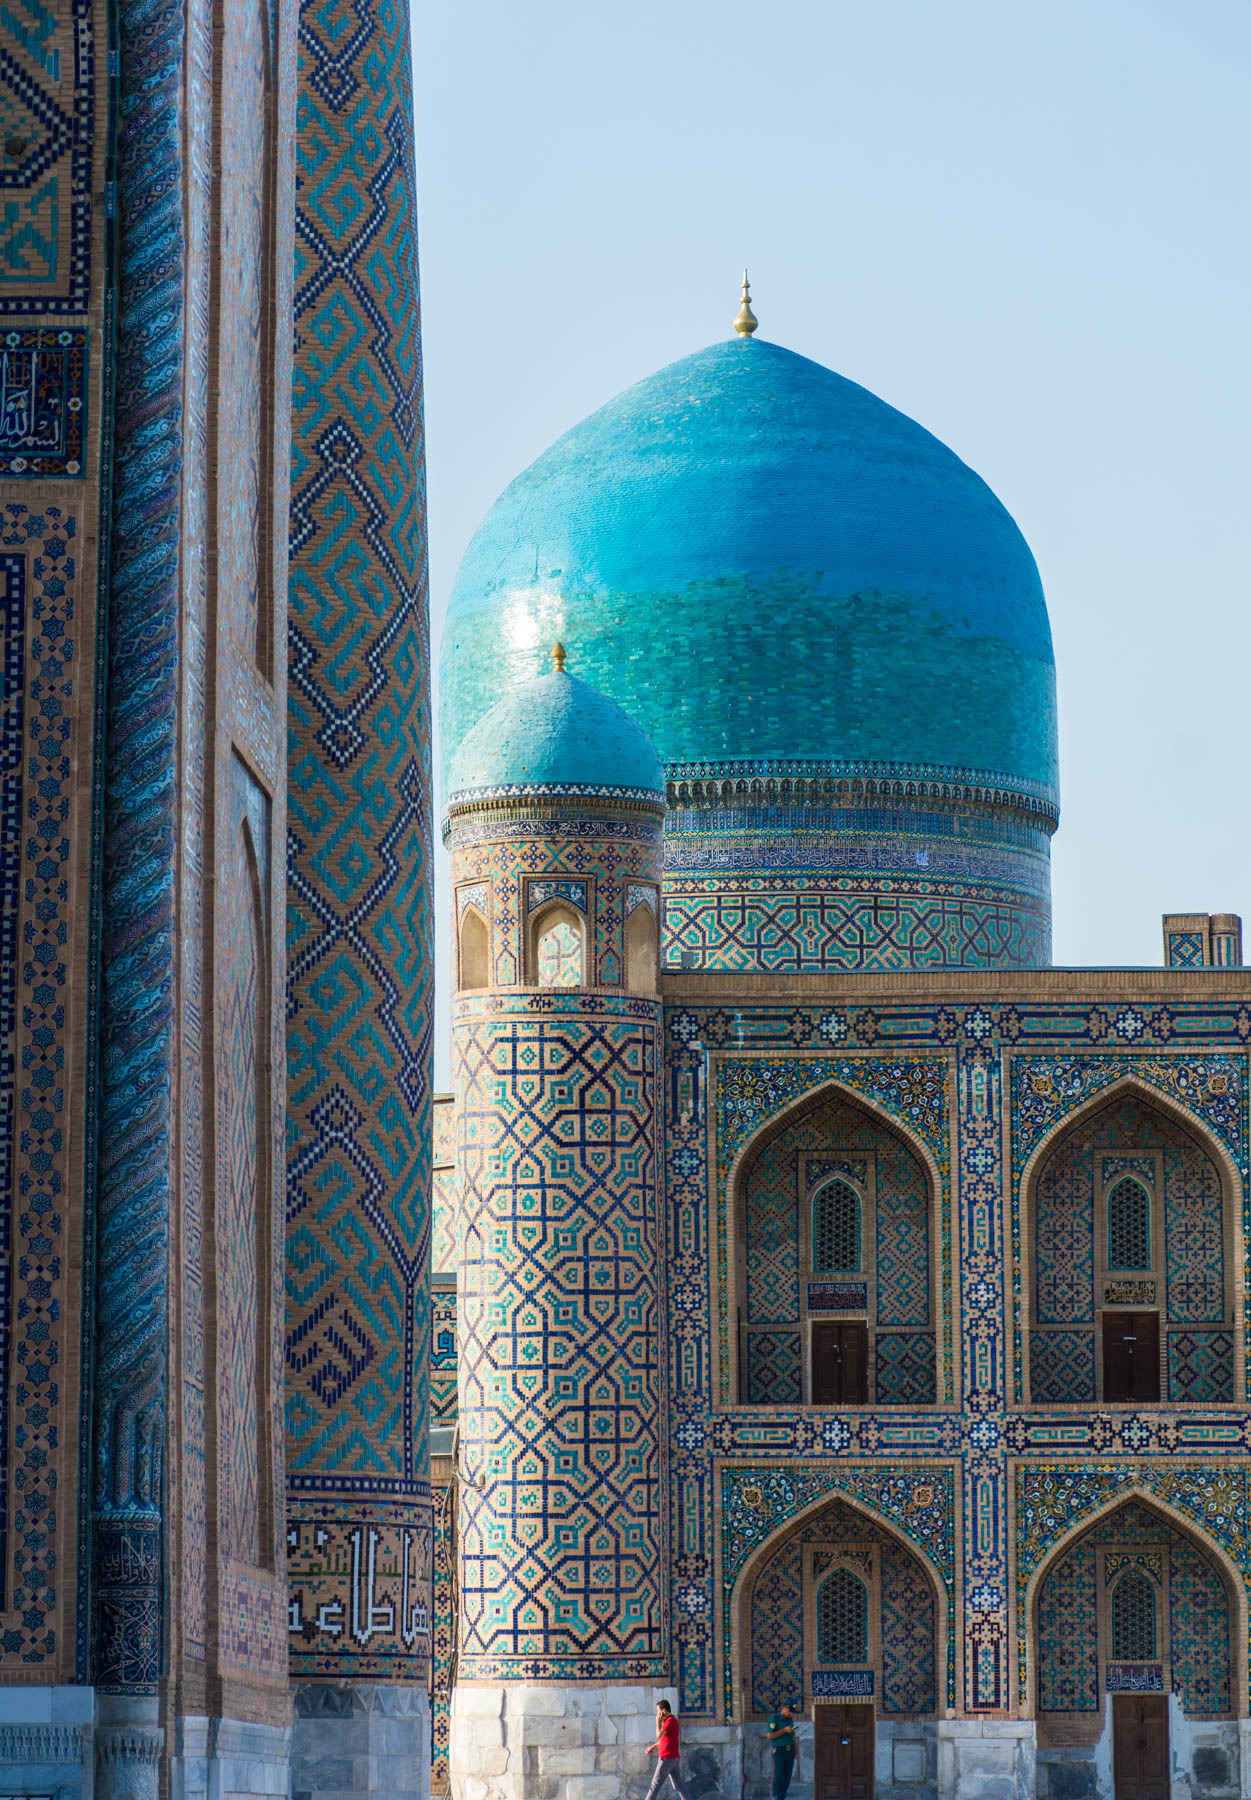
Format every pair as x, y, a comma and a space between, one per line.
359, 927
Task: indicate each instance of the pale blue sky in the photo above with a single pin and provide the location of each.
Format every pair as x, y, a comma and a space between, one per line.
1024, 224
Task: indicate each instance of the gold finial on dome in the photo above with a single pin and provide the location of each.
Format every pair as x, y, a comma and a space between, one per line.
558, 657
746, 322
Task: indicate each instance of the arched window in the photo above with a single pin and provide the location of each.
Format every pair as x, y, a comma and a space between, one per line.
1129, 1226
843, 1619
1133, 1618
836, 1229
558, 948
473, 949
640, 946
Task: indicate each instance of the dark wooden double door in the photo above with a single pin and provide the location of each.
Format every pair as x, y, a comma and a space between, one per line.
840, 1362
843, 1751
1131, 1356
1140, 1746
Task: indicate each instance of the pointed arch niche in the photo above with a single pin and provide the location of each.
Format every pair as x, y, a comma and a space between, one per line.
838, 1605
558, 947
474, 965
642, 938
835, 1279
1131, 1249
1135, 1601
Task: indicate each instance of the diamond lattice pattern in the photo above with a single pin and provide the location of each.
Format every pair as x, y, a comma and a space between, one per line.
1133, 1618
836, 1228
843, 1619
1129, 1226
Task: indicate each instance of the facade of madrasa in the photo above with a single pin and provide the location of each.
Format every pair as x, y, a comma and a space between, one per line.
834, 1302
831, 1301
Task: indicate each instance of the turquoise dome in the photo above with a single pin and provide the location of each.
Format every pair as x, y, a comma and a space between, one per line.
555, 733
764, 564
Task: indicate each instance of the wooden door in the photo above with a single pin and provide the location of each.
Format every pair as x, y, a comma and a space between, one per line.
1140, 1746
840, 1362
843, 1752
1131, 1356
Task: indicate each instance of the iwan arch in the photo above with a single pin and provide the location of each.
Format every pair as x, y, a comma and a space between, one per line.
838, 1300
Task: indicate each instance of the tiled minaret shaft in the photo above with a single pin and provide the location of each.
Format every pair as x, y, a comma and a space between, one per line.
359, 927
560, 1266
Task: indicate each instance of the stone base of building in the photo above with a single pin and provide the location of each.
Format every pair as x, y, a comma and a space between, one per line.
519, 1742
589, 1743
986, 1759
584, 1743
47, 1740
217, 1759
905, 1761
1209, 1759
352, 1739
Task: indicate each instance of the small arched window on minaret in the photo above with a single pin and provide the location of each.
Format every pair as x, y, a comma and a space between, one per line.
641, 938
558, 948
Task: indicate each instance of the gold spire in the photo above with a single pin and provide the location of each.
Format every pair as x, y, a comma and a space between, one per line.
558, 657
746, 321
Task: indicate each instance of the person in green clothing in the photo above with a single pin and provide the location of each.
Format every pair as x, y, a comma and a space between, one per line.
780, 1732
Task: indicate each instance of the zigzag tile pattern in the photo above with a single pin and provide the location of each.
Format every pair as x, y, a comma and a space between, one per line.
359, 925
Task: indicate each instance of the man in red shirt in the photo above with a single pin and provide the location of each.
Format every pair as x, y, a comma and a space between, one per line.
666, 1747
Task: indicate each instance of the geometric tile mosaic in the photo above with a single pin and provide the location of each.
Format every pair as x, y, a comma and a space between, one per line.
905, 1368
1201, 1367
443, 1648
726, 925
48, 90
44, 668
915, 1504
1077, 1638
558, 1373
730, 1070
1052, 1497
1068, 1644
774, 1377
787, 1176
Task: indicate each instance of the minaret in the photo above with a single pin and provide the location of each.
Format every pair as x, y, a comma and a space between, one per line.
553, 822
359, 930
